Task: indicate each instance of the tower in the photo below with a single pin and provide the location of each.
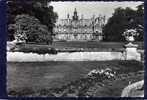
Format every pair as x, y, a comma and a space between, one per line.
68, 16
75, 16
93, 23
104, 19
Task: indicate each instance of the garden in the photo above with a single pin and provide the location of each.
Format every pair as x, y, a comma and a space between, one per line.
72, 79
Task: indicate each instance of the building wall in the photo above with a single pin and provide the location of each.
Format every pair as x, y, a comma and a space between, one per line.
74, 29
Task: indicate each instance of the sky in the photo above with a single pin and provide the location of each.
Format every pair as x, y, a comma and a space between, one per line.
88, 9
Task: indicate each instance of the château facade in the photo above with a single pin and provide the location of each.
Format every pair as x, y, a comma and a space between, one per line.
79, 29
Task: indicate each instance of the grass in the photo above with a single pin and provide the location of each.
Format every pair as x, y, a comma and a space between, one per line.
93, 44
68, 78
73, 46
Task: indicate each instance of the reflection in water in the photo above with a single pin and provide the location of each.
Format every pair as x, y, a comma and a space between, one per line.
64, 56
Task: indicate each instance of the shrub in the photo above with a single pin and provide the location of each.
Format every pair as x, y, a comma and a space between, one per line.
44, 50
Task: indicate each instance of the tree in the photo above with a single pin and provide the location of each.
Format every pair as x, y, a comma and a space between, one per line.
140, 21
121, 20
36, 8
112, 30
32, 27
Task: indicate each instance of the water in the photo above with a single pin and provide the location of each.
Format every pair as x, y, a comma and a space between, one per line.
64, 56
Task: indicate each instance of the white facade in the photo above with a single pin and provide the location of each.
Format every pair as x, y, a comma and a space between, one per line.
75, 29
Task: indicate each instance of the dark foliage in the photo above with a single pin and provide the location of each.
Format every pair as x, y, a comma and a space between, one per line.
45, 50
38, 9
34, 30
124, 19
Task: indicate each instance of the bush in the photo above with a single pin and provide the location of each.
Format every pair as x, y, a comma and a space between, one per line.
44, 50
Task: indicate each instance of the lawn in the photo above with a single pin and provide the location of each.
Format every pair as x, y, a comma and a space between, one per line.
74, 46
86, 45
68, 78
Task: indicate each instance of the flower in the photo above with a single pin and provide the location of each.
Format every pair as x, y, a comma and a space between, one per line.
130, 32
101, 73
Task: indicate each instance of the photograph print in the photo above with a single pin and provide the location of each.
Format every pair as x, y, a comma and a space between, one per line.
75, 49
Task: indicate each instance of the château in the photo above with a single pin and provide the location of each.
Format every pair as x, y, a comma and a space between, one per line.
75, 28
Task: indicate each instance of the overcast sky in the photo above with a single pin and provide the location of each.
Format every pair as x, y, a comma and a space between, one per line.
90, 8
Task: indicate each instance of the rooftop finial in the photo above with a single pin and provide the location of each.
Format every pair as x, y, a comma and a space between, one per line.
68, 15
75, 16
75, 10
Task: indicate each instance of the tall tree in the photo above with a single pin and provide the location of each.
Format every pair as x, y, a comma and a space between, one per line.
36, 8
140, 21
32, 27
121, 20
